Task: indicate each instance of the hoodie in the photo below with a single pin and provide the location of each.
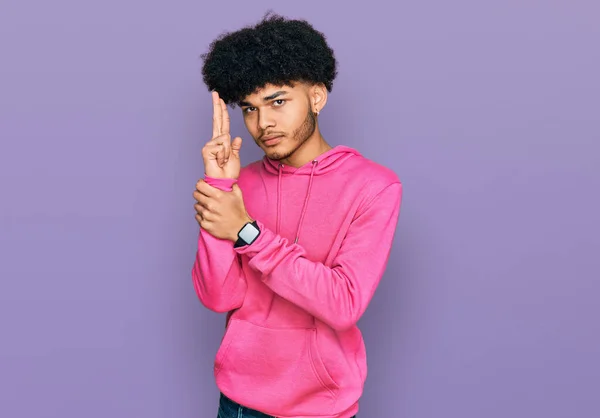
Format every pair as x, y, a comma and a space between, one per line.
292, 347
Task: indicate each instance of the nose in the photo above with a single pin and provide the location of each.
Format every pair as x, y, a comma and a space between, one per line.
265, 119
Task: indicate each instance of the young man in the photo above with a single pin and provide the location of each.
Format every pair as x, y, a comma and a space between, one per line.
292, 246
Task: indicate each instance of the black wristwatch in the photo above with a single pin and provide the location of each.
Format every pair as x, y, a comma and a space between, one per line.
247, 234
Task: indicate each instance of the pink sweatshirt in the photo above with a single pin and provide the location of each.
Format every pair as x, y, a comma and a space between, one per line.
292, 347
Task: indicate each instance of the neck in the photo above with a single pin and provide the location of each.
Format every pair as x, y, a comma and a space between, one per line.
308, 151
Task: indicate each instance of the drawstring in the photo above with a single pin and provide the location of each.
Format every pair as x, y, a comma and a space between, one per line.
312, 172
279, 199
310, 182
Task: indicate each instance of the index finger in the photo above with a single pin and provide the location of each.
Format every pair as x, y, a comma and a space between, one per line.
224, 118
217, 115
206, 189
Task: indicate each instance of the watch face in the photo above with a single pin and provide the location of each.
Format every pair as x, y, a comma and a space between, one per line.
248, 233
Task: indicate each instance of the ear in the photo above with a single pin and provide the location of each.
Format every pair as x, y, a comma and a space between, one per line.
318, 97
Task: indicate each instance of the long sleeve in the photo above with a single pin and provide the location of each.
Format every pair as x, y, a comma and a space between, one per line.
336, 295
217, 274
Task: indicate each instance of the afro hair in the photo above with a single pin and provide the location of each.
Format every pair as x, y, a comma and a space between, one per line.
276, 51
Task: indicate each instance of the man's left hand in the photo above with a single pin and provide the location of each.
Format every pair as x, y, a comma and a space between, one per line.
222, 214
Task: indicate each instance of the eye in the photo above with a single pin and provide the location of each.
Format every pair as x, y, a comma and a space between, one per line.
279, 102
249, 109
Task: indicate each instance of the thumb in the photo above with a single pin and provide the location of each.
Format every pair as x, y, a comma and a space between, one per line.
237, 192
236, 145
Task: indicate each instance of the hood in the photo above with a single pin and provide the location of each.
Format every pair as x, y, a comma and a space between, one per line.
323, 164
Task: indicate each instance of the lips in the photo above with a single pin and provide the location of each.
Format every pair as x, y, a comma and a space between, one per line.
271, 140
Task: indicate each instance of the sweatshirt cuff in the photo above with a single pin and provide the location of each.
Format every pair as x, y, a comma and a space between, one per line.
225, 184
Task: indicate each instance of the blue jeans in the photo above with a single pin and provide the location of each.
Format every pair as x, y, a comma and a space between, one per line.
231, 409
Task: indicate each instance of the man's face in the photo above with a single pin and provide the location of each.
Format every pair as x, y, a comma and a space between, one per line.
279, 118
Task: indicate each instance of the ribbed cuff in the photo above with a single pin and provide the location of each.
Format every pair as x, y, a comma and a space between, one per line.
225, 184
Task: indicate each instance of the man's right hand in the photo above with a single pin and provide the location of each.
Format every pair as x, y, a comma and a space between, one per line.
221, 155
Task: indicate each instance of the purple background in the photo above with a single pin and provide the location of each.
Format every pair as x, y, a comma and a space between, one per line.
489, 113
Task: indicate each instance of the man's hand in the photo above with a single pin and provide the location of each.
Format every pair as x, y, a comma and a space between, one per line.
221, 156
222, 214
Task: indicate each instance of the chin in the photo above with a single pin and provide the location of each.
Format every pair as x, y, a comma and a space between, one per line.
274, 154
278, 152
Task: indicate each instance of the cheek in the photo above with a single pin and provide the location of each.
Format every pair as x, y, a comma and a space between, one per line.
250, 126
290, 119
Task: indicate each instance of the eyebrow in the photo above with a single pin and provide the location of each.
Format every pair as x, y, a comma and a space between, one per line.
267, 98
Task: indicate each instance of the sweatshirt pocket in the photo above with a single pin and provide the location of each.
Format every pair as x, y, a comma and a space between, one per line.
274, 370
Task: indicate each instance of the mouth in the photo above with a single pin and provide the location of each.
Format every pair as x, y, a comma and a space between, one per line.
272, 140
